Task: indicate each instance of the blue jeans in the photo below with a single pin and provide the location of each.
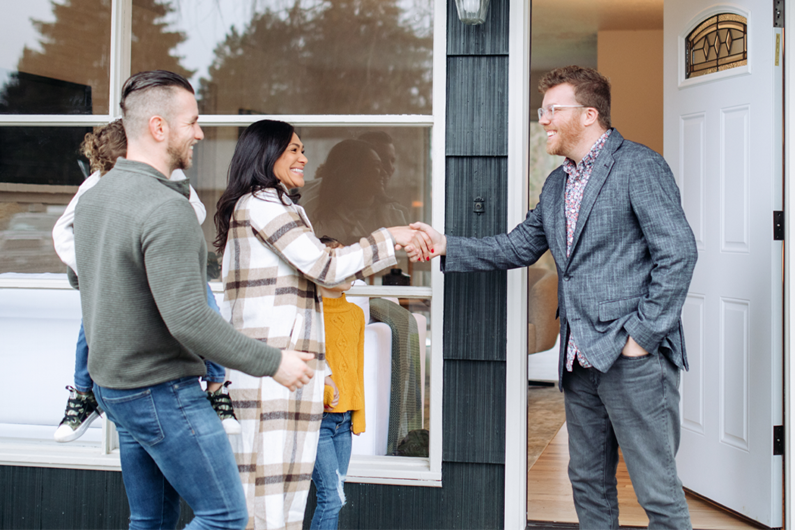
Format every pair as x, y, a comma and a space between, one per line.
634, 405
172, 444
215, 372
83, 382
331, 466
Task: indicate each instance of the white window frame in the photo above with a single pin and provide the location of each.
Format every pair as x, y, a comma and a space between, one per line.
413, 471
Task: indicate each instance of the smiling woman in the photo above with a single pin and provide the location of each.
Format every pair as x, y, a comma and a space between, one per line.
289, 168
273, 266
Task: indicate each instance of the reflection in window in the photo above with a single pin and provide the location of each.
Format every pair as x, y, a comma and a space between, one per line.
276, 57
55, 62
719, 43
42, 155
58, 62
396, 378
357, 180
26, 238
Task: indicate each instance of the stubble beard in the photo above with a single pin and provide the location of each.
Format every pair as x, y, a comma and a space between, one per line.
177, 159
568, 137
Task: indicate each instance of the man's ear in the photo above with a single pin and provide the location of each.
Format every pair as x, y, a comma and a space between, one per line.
590, 116
158, 128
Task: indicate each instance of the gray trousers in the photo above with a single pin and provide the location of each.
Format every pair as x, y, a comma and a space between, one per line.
635, 405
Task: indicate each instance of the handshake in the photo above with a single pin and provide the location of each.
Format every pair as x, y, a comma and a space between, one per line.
420, 241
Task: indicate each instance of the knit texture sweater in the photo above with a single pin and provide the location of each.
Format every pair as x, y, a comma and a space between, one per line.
143, 288
344, 323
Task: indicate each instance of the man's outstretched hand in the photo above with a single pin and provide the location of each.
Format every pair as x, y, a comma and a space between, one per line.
293, 371
426, 244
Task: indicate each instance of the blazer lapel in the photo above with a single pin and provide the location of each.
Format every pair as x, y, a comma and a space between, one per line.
601, 169
559, 216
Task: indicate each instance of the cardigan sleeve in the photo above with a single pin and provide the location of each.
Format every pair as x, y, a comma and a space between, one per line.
283, 229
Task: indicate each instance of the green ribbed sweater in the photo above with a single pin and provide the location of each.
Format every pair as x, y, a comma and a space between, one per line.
142, 258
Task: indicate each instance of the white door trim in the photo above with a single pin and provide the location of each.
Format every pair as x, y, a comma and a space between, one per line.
789, 255
516, 344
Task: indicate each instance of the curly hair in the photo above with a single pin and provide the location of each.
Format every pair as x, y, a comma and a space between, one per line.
591, 89
103, 146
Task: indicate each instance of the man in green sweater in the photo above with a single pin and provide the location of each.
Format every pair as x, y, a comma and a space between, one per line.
142, 261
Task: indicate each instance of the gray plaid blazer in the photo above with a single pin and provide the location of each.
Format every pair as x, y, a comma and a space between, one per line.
631, 261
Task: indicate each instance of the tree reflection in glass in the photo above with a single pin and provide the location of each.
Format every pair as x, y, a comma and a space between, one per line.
323, 57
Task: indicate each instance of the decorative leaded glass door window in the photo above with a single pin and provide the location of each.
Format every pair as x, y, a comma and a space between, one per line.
719, 43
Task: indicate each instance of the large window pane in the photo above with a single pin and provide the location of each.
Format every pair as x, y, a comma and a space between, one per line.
383, 180
296, 57
397, 346
54, 57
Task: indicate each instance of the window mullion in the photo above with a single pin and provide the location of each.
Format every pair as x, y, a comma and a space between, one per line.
120, 51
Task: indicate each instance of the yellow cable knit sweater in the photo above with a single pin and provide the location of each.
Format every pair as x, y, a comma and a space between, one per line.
344, 323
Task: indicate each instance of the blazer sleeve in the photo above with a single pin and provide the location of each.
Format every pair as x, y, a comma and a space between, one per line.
655, 201
282, 229
521, 247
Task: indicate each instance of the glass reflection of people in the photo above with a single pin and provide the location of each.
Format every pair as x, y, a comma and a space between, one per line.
352, 200
272, 266
384, 147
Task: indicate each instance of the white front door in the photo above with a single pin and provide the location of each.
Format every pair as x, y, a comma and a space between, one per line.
723, 141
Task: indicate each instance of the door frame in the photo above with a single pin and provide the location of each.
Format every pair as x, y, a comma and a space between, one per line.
516, 345
789, 255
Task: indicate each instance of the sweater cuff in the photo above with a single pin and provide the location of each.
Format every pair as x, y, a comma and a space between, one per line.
328, 396
357, 421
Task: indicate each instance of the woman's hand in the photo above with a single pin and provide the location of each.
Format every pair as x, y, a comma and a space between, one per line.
336, 401
293, 371
418, 244
426, 244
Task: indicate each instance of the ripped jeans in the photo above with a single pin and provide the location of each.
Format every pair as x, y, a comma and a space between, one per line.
331, 466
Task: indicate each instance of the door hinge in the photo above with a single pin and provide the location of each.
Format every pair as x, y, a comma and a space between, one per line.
778, 13
778, 225
778, 440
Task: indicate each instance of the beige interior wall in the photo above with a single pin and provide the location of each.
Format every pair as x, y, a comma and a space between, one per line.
633, 61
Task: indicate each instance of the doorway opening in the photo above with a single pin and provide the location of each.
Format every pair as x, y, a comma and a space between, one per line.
624, 40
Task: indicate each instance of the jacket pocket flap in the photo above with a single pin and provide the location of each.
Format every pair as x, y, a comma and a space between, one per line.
617, 308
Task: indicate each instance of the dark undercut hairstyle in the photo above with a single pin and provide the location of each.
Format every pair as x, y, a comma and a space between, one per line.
591, 89
251, 169
148, 94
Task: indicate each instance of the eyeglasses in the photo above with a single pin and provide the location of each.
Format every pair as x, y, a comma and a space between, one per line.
549, 112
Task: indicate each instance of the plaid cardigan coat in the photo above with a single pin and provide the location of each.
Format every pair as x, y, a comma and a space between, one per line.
272, 263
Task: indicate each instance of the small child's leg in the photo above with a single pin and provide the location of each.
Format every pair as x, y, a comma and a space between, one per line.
222, 404
82, 407
216, 384
83, 382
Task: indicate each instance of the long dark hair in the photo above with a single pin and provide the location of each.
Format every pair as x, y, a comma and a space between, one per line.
251, 169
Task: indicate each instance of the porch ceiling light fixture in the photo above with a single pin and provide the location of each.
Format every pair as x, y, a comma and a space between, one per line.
472, 12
